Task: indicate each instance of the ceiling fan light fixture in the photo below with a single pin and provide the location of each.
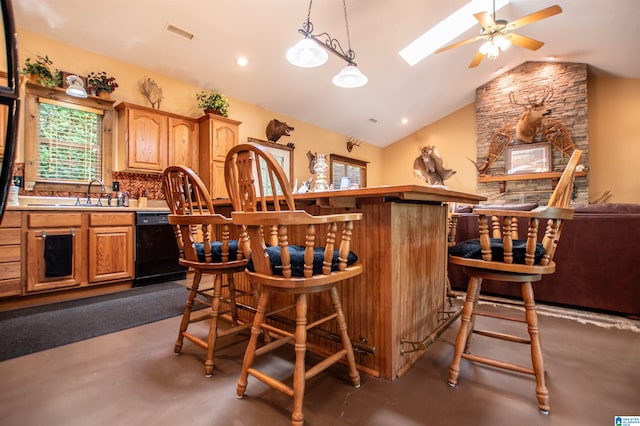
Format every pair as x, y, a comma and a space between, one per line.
350, 77
489, 49
307, 54
502, 42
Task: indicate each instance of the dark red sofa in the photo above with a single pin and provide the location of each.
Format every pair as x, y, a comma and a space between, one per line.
598, 261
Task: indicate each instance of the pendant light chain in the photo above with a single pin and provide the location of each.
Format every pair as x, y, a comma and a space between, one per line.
350, 53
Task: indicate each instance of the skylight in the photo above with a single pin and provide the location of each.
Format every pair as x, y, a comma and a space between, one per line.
448, 29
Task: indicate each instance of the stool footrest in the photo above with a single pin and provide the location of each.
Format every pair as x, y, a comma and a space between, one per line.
499, 364
503, 336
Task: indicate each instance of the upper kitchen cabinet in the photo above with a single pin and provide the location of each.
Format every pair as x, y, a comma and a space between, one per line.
149, 140
183, 142
217, 136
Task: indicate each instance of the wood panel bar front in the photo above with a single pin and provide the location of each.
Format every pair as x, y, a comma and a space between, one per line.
402, 244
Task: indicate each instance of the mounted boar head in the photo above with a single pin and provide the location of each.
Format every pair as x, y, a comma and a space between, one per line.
277, 129
531, 117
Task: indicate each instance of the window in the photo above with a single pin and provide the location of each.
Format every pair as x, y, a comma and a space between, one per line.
68, 140
355, 170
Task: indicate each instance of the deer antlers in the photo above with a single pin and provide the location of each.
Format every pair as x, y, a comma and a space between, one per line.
351, 142
546, 95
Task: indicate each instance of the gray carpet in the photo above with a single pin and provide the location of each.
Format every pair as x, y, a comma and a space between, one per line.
33, 329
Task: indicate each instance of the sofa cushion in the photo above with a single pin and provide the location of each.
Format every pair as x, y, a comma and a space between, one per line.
523, 207
297, 260
471, 249
607, 208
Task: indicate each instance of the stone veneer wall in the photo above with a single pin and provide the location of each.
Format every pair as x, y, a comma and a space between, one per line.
569, 107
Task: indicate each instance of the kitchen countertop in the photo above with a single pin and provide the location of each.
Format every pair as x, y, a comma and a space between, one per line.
68, 204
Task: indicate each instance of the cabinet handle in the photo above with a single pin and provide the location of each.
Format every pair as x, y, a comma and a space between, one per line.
72, 232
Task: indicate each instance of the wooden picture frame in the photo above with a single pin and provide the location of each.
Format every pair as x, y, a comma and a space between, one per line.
528, 158
283, 155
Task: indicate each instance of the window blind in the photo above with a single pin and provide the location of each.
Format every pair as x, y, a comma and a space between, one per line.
69, 142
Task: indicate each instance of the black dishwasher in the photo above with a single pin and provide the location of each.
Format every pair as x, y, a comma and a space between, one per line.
156, 250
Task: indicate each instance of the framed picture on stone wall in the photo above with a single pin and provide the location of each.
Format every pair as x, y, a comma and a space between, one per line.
528, 158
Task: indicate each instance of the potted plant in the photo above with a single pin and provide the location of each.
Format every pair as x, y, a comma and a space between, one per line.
40, 71
214, 102
99, 84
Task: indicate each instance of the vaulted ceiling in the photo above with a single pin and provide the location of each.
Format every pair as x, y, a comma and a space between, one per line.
603, 34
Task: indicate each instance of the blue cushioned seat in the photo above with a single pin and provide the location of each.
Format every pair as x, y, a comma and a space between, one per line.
471, 249
297, 260
216, 251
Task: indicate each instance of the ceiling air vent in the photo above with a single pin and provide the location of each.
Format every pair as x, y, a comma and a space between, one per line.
179, 32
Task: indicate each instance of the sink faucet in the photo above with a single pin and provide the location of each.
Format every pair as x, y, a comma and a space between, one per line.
89, 190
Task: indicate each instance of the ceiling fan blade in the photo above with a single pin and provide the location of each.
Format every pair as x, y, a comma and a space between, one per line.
536, 16
476, 60
526, 42
460, 43
485, 19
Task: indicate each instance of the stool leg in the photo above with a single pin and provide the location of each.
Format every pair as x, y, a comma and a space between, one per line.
346, 341
193, 291
250, 352
232, 300
297, 417
472, 326
537, 360
463, 333
213, 324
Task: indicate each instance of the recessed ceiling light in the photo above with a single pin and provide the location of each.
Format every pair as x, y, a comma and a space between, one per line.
242, 61
404, 120
448, 29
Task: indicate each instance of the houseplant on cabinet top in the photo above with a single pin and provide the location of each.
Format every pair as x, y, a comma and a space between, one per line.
99, 84
40, 71
213, 102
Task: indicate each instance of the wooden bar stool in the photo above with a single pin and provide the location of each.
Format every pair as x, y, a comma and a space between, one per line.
519, 261
262, 201
196, 225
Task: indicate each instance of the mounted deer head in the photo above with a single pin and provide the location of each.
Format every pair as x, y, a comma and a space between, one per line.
531, 118
351, 142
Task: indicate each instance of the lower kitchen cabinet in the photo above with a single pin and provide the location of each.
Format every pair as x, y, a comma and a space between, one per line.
110, 247
77, 249
10, 255
55, 251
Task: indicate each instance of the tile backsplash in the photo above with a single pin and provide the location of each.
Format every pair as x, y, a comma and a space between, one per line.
134, 183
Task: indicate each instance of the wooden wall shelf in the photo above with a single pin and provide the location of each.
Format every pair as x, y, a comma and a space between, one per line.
524, 176
503, 179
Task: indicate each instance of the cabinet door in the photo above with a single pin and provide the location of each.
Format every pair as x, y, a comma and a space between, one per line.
110, 253
47, 261
10, 255
183, 142
225, 136
147, 144
218, 189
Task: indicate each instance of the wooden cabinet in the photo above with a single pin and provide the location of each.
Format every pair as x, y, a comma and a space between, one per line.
183, 142
55, 251
10, 255
110, 248
78, 249
149, 140
217, 135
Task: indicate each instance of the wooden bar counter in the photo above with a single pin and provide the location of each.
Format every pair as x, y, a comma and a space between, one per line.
400, 296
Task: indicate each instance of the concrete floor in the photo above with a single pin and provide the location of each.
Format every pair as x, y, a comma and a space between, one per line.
133, 378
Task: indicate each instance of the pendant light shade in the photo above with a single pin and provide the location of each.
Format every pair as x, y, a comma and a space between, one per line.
350, 77
307, 54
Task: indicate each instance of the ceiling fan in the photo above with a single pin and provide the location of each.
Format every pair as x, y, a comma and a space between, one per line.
498, 37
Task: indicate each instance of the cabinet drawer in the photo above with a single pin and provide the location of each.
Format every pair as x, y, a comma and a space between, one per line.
10, 288
108, 219
12, 220
54, 220
10, 253
9, 270
9, 236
